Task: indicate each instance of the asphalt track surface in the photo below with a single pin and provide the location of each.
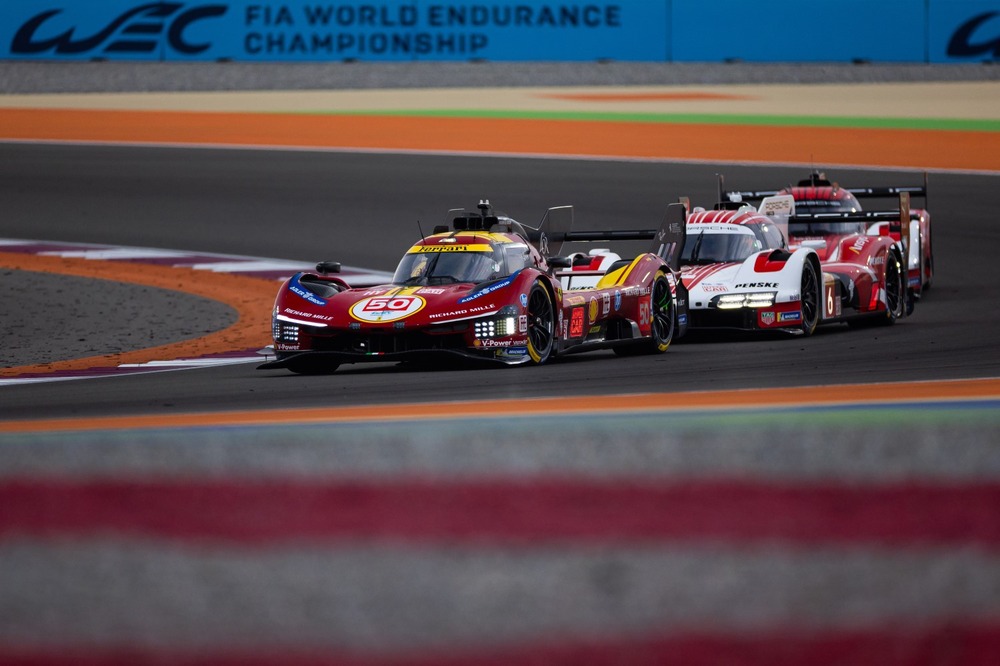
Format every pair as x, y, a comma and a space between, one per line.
365, 209
735, 533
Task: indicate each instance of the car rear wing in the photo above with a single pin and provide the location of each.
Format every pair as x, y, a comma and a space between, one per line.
668, 240
859, 192
898, 220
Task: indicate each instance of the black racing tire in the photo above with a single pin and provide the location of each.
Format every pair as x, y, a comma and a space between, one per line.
928, 270
661, 306
811, 298
895, 289
541, 324
663, 321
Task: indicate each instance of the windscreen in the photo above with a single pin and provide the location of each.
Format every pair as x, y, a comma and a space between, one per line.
708, 247
429, 265
798, 229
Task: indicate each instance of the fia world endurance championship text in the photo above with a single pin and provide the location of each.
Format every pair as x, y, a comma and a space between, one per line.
352, 30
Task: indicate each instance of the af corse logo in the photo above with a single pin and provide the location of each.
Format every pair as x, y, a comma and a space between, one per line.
138, 30
962, 45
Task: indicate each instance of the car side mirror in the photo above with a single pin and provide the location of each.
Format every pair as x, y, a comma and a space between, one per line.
560, 262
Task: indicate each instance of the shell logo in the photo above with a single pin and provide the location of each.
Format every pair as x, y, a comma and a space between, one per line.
380, 309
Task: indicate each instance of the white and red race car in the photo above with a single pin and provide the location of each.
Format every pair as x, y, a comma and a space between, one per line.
741, 271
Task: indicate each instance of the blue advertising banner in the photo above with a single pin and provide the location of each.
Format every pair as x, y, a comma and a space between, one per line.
784, 31
939, 31
964, 31
299, 30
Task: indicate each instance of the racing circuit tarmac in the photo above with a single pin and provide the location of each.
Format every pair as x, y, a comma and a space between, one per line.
151, 517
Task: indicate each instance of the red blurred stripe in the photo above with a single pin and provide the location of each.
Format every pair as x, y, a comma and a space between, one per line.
973, 644
504, 510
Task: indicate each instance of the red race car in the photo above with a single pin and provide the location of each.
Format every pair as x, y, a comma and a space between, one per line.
483, 287
817, 195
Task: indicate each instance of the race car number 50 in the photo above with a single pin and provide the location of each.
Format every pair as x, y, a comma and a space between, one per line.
386, 308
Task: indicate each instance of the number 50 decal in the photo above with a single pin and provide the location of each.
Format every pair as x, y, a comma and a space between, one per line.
386, 308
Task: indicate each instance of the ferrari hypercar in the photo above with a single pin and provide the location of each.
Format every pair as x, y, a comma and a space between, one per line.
817, 195
741, 270
482, 287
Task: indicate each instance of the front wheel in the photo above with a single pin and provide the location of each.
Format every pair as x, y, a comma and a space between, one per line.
895, 288
810, 295
541, 324
663, 321
661, 305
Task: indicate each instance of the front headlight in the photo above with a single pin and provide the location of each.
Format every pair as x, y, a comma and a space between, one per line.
756, 299
503, 324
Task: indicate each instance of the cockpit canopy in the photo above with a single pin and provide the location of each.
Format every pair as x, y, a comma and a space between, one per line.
823, 199
446, 259
714, 246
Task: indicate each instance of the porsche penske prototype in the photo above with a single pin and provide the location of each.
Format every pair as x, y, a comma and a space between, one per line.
741, 271
483, 287
816, 195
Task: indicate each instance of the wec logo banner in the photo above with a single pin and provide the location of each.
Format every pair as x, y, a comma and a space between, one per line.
323, 31
945, 31
140, 32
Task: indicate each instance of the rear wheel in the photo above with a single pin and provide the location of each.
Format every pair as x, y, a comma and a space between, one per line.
541, 324
810, 295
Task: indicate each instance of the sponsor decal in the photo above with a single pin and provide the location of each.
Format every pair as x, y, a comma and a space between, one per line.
595, 329
430, 290
714, 288
524, 300
448, 247
965, 43
146, 29
576, 300
522, 323
282, 346
310, 315
618, 300
593, 309
380, 309
491, 343
515, 351
756, 285
471, 312
790, 316
453, 313
682, 320
859, 244
767, 318
606, 302
489, 289
576, 323
296, 288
